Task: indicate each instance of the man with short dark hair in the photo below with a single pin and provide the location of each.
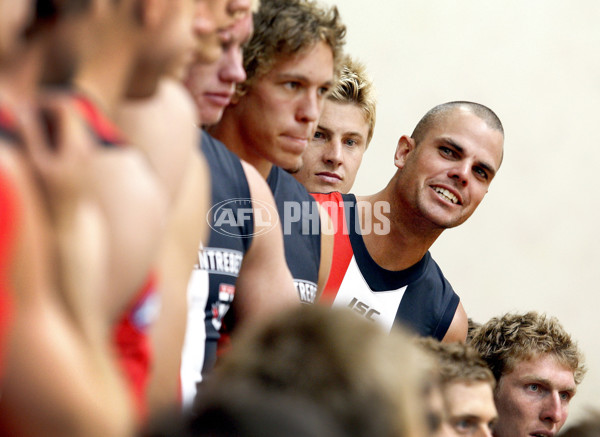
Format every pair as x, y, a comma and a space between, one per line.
381, 265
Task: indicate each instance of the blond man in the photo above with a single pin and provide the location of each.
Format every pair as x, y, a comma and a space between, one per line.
537, 366
344, 131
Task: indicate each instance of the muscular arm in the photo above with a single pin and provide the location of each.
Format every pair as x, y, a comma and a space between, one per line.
458, 328
264, 283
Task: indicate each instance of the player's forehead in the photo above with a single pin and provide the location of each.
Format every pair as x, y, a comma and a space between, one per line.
345, 117
470, 398
313, 63
545, 369
470, 132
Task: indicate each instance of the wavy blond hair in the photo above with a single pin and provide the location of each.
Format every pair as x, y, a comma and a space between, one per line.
505, 341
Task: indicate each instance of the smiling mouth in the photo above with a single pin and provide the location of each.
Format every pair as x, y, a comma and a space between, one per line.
446, 195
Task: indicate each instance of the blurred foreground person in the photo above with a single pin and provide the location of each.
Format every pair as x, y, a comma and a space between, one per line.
158, 116
60, 376
368, 382
537, 366
587, 427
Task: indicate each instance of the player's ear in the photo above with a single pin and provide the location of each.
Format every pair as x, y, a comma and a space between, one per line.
405, 145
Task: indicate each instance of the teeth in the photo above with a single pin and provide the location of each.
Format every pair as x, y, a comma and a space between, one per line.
447, 194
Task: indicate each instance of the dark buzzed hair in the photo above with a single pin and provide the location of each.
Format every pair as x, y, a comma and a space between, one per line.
434, 114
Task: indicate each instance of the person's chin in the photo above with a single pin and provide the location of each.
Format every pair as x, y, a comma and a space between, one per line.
293, 169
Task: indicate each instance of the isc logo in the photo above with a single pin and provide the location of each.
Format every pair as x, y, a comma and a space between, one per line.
363, 309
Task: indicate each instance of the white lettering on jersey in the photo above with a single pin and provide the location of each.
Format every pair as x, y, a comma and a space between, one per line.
379, 306
307, 290
222, 261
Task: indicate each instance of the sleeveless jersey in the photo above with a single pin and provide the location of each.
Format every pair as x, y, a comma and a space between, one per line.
211, 289
130, 334
8, 223
301, 225
419, 297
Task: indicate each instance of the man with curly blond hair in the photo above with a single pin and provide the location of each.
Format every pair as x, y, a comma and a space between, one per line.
291, 63
467, 386
537, 367
334, 155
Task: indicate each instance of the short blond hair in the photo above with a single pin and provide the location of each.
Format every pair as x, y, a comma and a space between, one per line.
505, 341
355, 86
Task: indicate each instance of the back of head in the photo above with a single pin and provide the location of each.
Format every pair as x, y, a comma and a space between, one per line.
458, 362
439, 111
354, 86
588, 427
284, 28
505, 341
368, 381
238, 409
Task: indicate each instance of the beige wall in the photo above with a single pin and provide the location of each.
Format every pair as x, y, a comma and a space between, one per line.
533, 243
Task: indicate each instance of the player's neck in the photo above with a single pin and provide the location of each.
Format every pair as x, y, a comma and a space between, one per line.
20, 75
229, 132
396, 242
104, 79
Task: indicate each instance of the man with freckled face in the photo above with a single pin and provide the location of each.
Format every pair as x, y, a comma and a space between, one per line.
345, 128
537, 366
381, 265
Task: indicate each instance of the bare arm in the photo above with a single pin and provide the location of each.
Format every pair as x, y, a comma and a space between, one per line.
264, 283
457, 332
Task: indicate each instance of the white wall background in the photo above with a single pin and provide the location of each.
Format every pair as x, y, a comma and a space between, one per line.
533, 243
